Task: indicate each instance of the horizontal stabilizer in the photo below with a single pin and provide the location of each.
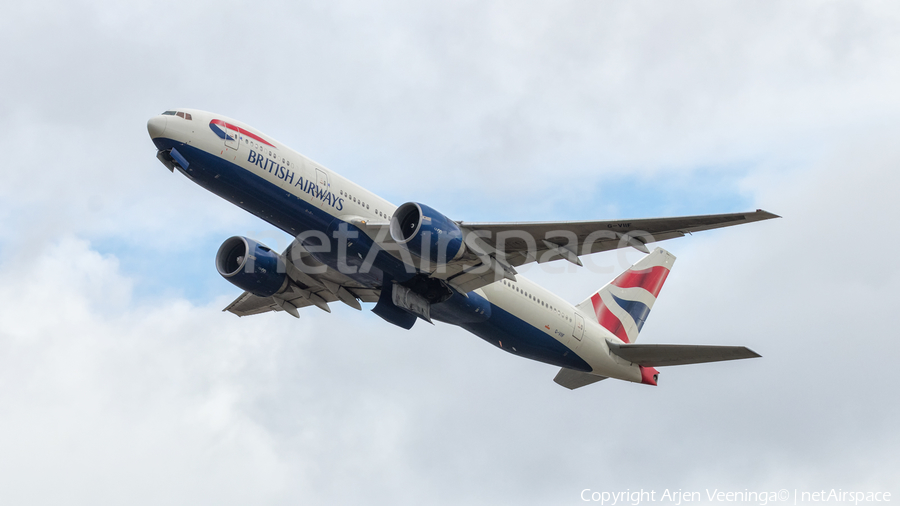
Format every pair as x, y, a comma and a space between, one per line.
656, 355
573, 379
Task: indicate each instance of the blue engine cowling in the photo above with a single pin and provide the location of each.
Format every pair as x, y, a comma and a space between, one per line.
427, 233
252, 266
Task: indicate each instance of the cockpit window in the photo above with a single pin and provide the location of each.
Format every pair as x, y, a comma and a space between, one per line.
185, 115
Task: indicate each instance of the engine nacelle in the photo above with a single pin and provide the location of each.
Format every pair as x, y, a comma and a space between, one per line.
427, 233
252, 266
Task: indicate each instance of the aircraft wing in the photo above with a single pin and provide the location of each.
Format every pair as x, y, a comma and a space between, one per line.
586, 237
494, 250
248, 304
306, 288
659, 355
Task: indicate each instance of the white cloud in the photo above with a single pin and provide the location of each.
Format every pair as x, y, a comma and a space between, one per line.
107, 391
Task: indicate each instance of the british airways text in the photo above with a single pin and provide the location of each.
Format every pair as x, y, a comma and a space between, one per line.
283, 173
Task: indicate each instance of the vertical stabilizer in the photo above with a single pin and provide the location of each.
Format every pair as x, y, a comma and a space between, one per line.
622, 306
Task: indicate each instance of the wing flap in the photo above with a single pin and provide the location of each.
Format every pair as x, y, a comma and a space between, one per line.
659, 355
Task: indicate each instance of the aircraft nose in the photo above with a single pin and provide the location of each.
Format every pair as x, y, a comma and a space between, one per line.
156, 126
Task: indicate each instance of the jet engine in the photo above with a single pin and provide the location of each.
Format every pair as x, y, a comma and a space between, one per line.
427, 233
251, 266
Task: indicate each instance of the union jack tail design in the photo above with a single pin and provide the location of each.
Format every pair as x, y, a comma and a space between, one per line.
622, 306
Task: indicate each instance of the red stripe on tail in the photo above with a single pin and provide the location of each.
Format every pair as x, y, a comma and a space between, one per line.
651, 279
608, 320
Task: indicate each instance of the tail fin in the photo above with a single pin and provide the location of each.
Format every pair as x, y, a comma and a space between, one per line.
622, 306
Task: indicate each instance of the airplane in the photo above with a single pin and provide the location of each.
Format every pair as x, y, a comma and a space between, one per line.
414, 263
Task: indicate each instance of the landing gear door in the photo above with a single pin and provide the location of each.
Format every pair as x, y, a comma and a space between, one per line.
578, 332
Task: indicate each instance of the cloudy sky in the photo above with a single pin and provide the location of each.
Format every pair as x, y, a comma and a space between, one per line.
122, 382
